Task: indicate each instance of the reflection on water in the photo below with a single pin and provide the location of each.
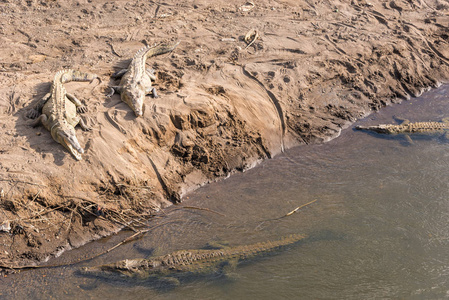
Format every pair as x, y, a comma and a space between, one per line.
379, 228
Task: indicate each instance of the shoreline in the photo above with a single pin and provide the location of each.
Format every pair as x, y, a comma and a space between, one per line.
225, 104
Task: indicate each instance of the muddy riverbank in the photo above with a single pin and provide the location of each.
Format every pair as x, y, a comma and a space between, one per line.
225, 103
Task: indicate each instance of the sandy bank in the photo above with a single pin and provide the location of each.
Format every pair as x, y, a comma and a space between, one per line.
224, 104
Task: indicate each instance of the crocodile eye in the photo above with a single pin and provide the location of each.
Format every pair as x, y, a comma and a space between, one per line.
62, 133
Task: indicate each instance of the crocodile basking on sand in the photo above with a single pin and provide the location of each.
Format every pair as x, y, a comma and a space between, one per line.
171, 267
57, 111
406, 127
135, 81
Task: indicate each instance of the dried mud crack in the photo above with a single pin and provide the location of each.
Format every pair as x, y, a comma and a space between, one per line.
225, 104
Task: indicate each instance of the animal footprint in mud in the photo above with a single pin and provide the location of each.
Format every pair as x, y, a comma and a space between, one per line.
171, 31
297, 13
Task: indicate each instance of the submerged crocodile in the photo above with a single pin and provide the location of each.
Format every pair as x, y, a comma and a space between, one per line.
57, 111
171, 266
406, 127
136, 80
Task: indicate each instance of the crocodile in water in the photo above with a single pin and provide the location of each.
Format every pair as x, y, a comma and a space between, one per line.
406, 127
57, 111
172, 266
135, 81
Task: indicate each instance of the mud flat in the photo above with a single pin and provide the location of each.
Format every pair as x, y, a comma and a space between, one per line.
225, 103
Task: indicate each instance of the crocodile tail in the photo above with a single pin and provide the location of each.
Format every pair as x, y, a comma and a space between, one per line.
69, 75
149, 51
248, 251
284, 241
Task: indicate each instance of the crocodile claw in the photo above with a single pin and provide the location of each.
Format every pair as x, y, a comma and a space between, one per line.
32, 114
71, 143
81, 109
111, 93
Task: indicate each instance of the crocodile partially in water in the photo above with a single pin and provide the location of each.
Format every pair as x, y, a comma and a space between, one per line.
58, 111
136, 80
172, 266
407, 127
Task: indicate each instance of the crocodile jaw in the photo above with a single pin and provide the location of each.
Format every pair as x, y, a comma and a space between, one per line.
64, 134
379, 128
138, 113
74, 147
123, 269
99, 272
134, 97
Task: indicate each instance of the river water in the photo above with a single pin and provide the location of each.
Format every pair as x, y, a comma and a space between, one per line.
378, 229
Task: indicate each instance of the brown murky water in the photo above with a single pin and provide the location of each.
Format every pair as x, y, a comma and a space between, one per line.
379, 226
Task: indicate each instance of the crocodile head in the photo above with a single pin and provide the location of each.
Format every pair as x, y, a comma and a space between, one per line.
134, 96
128, 268
382, 128
65, 134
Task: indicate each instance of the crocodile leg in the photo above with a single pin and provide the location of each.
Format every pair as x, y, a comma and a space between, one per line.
446, 135
83, 125
409, 139
34, 112
114, 90
151, 74
217, 245
80, 108
169, 281
152, 91
40, 120
402, 121
119, 74
146, 80
228, 269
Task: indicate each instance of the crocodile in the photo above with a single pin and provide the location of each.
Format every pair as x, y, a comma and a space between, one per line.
406, 127
171, 267
136, 80
57, 111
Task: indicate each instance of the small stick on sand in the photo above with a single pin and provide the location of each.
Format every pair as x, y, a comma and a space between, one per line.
252, 36
299, 207
112, 48
135, 186
258, 227
128, 239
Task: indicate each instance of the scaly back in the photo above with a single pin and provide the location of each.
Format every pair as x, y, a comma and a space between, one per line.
203, 257
426, 126
58, 91
141, 56
248, 251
